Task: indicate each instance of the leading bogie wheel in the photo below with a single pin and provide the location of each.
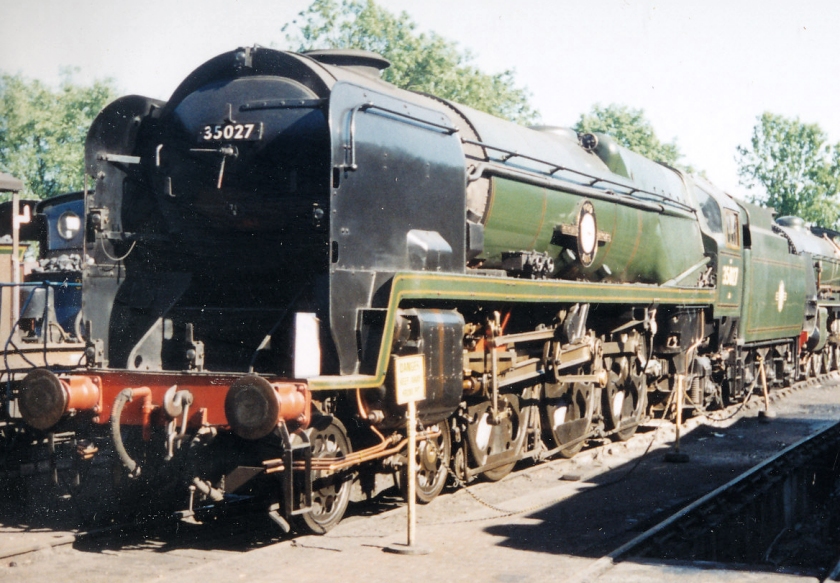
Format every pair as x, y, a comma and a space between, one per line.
330, 490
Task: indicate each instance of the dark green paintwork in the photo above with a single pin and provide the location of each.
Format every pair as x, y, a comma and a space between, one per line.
730, 274
774, 283
645, 245
774, 289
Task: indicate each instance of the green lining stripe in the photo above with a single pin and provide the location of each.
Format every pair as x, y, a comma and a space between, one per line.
790, 329
793, 266
408, 286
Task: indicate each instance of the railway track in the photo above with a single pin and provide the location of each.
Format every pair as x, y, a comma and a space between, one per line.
778, 517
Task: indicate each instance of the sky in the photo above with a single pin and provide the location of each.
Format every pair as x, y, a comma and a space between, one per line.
702, 70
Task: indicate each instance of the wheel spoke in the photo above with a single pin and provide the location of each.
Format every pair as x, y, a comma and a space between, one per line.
330, 492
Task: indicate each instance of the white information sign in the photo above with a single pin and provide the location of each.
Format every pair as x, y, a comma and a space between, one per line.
410, 378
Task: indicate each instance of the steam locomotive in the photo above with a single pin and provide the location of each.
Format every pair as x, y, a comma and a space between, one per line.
264, 249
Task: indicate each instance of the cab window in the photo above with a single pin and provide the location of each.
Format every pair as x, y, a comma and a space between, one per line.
733, 229
710, 209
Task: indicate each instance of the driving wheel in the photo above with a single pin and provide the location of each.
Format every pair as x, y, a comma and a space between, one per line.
568, 415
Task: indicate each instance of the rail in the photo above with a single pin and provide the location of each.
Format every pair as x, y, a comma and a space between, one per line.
770, 497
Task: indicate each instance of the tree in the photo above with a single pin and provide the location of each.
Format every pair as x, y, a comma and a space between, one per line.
630, 129
794, 167
43, 130
423, 62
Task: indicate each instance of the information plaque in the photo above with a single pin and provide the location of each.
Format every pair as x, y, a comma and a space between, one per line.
410, 378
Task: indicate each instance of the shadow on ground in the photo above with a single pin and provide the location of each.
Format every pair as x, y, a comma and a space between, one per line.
620, 504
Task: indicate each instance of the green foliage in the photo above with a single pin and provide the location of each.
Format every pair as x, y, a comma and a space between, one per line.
630, 129
419, 61
794, 166
42, 131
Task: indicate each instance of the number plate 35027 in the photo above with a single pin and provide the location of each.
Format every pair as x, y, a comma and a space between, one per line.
231, 132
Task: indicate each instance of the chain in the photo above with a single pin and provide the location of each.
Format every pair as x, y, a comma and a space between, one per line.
750, 395
705, 415
503, 512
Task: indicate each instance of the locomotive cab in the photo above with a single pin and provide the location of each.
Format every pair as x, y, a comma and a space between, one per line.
722, 223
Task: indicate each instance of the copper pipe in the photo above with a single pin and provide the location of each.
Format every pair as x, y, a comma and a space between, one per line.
377, 451
383, 443
505, 323
363, 413
377, 432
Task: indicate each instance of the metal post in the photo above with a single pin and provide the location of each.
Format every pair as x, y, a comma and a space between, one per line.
412, 471
410, 385
676, 456
679, 409
410, 548
15, 259
767, 414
